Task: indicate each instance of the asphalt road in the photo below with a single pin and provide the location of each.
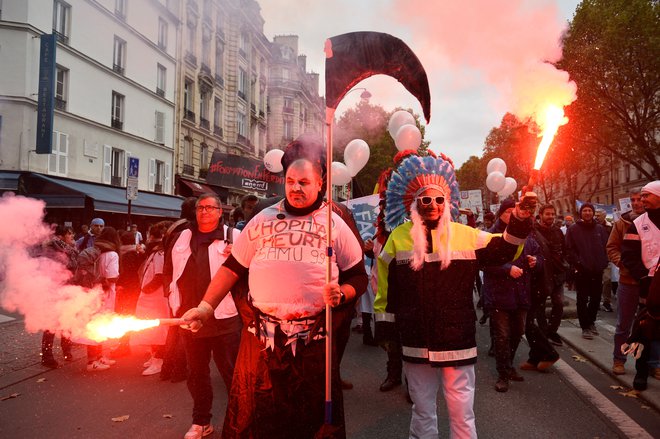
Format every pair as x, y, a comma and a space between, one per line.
72, 403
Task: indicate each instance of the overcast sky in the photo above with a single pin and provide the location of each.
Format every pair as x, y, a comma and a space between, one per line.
482, 57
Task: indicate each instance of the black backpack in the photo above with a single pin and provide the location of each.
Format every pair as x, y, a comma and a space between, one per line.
88, 274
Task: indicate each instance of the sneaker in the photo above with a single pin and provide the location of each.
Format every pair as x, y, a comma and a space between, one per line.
546, 364
154, 367
515, 376
198, 431
148, 362
607, 307
586, 334
619, 367
593, 330
502, 385
107, 361
555, 339
96, 366
527, 366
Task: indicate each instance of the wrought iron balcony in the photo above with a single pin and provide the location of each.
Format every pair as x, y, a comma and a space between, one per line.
116, 123
204, 123
118, 69
160, 92
189, 170
60, 104
189, 115
218, 131
115, 181
158, 188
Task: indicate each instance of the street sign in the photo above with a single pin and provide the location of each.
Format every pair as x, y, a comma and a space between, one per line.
132, 180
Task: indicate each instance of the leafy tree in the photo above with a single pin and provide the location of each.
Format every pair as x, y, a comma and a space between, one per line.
612, 51
369, 123
472, 174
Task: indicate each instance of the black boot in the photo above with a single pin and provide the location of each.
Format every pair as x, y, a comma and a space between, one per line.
47, 358
367, 334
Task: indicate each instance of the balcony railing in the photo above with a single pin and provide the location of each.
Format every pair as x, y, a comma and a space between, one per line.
116, 123
242, 140
287, 110
219, 80
262, 114
242, 53
190, 58
189, 115
64, 39
160, 92
158, 188
241, 95
60, 104
253, 108
204, 123
205, 69
189, 169
218, 131
203, 172
115, 181
118, 68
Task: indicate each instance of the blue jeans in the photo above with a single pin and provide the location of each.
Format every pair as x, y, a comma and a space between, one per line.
224, 349
626, 308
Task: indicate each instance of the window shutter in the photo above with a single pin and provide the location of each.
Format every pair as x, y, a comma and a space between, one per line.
107, 163
160, 127
64, 154
52, 158
166, 179
152, 174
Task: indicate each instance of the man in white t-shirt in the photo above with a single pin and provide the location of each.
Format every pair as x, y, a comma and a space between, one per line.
278, 386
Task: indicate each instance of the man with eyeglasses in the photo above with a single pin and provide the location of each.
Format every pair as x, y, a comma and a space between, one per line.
197, 254
426, 275
279, 381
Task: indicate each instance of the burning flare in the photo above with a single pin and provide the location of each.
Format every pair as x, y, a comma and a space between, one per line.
554, 118
106, 326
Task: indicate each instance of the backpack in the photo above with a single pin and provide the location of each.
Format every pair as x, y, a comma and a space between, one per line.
88, 274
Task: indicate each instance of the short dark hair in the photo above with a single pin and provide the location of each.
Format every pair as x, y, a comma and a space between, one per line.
126, 237
247, 198
546, 206
61, 230
158, 230
188, 208
207, 196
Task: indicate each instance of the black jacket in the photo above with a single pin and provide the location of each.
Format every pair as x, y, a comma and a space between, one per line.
585, 247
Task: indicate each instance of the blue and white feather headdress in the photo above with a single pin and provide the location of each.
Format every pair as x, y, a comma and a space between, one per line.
410, 178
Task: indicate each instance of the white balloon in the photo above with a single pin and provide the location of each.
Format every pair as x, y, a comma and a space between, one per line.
510, 186
356, 155
340, 174
496, 164
273, 160
495, 181
408, 137
399, 119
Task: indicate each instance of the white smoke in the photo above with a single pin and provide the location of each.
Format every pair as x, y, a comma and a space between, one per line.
33, 285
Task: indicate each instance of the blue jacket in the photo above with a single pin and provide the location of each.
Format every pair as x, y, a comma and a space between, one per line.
585, 247
500, 290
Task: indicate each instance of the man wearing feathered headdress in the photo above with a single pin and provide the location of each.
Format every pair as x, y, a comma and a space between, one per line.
426, 274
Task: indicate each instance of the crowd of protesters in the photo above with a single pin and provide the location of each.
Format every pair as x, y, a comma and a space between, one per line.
186, 268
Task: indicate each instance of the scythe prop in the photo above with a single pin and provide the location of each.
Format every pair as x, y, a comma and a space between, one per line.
350, 58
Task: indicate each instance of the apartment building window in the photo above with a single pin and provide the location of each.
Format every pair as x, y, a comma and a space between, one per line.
204, 156
61, 87
192, 34
242, 83
288, 129
288, 105
242, 124
157, 176
204, 110
217, 117
219, 59
626, 172
243, 44
616, 176
117, 110
206, 46
117, 166
161, 75
188, 156
58, 161
61, 20
160, 127
119, 56
120, 8
188, 90
162, 33
285, 74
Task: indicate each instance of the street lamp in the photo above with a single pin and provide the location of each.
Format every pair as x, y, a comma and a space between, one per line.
364, 96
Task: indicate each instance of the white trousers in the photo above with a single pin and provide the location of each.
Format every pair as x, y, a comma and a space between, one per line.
458, 388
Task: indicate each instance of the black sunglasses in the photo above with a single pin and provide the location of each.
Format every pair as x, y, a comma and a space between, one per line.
427, 200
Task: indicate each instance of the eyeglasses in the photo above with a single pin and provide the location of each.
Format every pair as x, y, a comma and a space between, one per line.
427, 200
207, 209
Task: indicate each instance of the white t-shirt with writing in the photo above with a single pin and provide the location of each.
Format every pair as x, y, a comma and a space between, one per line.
287, 259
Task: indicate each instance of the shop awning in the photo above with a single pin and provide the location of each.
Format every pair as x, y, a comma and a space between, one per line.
66, 193
9, 180
197, 188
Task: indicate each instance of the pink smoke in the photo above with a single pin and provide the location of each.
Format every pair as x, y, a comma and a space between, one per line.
509, 43
35, 286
